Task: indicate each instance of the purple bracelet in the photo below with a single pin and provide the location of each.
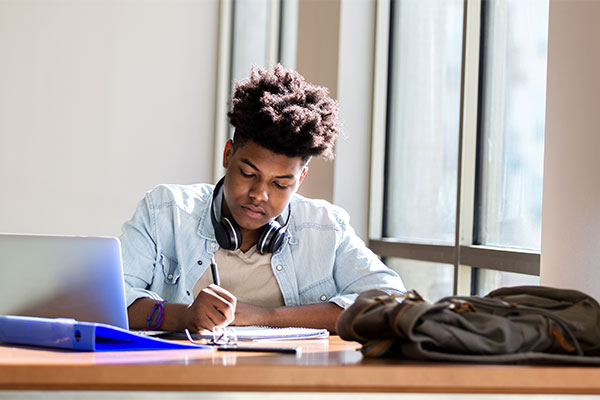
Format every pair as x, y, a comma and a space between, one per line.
156, 316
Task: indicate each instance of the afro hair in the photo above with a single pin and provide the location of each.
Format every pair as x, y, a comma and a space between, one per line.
278, 110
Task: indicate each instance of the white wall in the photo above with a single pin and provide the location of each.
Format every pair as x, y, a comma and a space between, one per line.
571, 204
99, 102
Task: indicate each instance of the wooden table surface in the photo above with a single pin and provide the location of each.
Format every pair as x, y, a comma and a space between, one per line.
330, 365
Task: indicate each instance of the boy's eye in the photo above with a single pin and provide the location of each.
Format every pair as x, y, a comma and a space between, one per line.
280, 186
245, 174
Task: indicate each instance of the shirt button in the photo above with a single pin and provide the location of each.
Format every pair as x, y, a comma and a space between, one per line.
213, 245
323, 298
279, 267
199, 262
170, 276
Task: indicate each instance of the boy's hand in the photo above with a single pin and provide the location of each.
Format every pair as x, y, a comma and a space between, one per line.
214, 306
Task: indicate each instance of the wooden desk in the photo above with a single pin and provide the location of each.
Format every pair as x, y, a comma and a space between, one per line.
329, 365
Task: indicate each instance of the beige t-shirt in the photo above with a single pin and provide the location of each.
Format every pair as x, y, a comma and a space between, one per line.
247, 275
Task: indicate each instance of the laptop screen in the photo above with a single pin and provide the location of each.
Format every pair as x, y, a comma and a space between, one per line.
78, 277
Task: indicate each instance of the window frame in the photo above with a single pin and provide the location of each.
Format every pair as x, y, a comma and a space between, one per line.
463, 255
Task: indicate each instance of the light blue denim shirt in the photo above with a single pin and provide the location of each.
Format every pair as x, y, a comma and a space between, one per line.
169, 242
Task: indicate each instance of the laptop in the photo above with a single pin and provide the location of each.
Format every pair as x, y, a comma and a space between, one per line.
79, 277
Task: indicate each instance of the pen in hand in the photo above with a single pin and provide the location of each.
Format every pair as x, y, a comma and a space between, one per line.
215, 272
215, 275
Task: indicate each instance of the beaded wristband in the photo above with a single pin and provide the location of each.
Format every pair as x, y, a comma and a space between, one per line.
156, 316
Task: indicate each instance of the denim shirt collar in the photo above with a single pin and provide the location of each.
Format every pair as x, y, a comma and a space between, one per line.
205, 227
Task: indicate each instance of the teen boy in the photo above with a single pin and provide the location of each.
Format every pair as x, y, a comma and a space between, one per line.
283, 260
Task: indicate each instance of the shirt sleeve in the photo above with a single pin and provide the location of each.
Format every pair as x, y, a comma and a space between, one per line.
138, 247
357, 269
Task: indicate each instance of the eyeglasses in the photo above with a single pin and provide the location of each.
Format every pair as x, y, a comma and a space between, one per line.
226, 339
220, 336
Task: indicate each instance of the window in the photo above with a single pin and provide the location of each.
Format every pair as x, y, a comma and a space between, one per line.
423, 120
464, 95
251, 40
511, 129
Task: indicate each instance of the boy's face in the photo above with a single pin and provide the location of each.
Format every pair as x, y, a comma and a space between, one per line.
258, 184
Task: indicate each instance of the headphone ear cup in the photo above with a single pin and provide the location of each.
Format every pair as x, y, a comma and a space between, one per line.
228, 234
277, 240
271, 238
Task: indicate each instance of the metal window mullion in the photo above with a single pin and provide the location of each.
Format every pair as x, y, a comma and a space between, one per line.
225, 44
502, 259
288, 32
379, 118
273, 35
494, 258
415, 251
468, 143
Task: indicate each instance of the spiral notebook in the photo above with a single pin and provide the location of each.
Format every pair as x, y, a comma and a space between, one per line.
257, 333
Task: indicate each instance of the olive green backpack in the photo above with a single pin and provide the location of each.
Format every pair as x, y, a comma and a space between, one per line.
522, 324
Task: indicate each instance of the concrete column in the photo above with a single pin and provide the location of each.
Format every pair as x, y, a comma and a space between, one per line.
317, 61
571, 205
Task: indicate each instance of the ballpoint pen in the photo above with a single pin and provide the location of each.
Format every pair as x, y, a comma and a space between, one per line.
215, 272
260, 349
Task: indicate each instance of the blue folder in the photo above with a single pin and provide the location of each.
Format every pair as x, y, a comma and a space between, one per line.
66, 333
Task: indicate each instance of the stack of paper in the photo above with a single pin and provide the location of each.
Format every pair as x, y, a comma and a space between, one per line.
267, 333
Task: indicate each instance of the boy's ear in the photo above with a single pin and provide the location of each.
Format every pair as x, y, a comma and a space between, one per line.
303, 174
227, 153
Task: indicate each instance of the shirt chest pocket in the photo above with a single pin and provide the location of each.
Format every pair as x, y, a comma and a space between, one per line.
318, 292
171, 269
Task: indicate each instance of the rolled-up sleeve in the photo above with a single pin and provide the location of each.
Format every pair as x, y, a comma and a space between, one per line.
139, 253
358, 269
